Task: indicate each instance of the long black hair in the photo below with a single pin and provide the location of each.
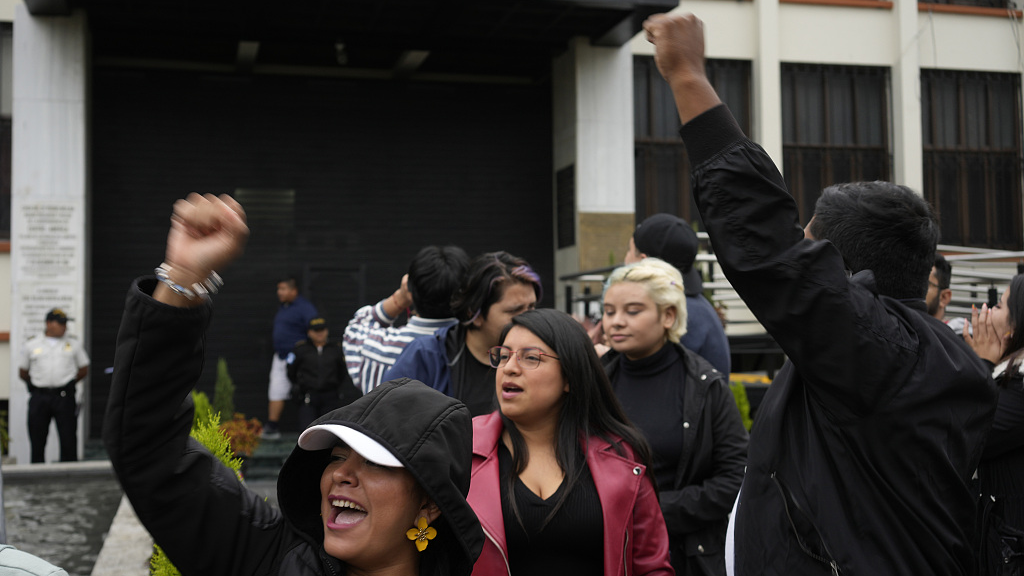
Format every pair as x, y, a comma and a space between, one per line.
1015, 315
590, 408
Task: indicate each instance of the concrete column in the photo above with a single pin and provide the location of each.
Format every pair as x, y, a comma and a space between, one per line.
593, 136
48, 195
907, 140
766, 125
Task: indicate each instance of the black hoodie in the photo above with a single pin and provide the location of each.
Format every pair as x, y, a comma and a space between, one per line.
204, 518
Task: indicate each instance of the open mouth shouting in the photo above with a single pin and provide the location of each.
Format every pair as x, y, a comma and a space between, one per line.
344, 513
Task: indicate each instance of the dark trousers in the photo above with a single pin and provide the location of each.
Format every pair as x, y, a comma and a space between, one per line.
57, 404
313, 405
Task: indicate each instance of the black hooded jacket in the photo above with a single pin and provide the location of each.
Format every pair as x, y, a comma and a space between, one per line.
197, 510
861, 455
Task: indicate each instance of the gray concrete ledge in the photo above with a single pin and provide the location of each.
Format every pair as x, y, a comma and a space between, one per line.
127, 547
15, 473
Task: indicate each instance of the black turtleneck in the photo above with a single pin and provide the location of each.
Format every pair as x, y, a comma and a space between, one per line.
651, 392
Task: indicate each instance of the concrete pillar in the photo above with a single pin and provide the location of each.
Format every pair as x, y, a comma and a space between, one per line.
766, 125
907, 140
48, 195
593, 150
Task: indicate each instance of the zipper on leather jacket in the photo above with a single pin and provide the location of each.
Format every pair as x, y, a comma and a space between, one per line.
508, 570
787, 497
625, 548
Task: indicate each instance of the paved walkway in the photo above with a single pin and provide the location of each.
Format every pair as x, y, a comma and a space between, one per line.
127, 547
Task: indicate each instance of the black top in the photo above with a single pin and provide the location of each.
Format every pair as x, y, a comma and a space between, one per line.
472, 382
323, 369
572, 542
651, 392
1001, 472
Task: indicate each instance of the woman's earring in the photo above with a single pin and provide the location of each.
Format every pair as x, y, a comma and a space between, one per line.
421, 534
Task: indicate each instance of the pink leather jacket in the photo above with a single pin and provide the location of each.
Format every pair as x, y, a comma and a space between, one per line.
635, 538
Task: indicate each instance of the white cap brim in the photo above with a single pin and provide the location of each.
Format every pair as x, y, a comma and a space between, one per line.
325, 436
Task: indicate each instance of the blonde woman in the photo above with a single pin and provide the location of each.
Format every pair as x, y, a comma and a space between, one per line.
682, 405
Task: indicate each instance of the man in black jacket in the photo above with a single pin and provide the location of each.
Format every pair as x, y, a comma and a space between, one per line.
862, 452
319, 375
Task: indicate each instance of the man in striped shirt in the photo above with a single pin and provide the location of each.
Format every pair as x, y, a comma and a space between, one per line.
372, 343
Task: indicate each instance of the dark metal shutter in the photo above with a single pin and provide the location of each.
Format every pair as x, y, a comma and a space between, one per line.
376, 169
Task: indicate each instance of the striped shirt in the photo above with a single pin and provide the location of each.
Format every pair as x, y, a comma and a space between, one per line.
372, 344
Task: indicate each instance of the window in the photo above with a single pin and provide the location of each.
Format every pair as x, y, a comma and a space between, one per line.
835, 128
662, 169
983, 3
972, 156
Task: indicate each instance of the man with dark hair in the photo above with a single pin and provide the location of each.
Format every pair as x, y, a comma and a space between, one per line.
455, 359
670, 238
290, 324
862, 452
372, 342
939, 294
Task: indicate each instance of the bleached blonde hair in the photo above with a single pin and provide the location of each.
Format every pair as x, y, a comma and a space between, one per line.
664, 285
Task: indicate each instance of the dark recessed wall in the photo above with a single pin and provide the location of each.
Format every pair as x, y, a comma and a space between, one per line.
378, 169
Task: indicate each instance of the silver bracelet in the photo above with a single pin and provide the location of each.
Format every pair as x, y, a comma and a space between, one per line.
211, 285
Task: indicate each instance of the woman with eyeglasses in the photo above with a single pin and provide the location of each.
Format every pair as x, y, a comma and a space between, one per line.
560, 481
683, 406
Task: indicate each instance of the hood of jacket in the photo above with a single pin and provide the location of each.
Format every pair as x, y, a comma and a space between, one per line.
431, 435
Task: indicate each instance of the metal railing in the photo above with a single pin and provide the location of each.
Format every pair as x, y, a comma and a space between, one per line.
979, 276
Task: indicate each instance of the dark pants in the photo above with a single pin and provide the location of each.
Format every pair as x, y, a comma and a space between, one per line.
313, 405
57, 404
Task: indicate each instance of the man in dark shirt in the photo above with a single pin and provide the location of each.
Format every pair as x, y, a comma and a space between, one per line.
861, 456
319, 376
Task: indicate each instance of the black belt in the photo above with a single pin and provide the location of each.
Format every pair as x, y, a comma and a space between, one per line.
62, 391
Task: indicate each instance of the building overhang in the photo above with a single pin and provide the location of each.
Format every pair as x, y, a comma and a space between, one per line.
478, 37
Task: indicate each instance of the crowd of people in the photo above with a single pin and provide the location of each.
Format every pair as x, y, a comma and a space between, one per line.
487, 436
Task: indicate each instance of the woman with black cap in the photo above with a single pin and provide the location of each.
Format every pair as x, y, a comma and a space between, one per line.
375, 487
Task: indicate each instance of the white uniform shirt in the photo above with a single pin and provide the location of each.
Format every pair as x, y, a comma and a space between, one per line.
52, 362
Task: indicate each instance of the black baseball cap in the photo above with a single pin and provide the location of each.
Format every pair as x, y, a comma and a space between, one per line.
673, 240
57, 315
318, 324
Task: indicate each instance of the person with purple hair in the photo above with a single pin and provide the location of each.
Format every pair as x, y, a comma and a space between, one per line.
455, 360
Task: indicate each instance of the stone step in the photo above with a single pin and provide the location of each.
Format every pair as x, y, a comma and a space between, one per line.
270, 455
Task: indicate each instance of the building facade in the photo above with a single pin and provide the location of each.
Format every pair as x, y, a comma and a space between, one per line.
356, 132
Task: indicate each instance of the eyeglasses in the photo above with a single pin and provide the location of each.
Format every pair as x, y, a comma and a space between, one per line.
528, 358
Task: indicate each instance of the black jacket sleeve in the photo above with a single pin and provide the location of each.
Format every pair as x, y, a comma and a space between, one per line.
797, 288
195, 508
292, 368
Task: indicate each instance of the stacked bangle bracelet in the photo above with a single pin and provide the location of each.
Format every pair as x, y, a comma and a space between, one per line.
211, 285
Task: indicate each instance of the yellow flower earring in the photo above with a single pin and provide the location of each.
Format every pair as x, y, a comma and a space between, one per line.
421, 533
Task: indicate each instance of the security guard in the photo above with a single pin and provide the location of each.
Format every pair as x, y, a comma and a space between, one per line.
319, 375
51, 364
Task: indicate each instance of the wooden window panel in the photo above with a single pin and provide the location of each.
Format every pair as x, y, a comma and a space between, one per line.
662, 168
972, 156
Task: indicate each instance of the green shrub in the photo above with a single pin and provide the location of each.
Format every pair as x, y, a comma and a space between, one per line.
207, 432
203, 410
223, 390
739, 393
